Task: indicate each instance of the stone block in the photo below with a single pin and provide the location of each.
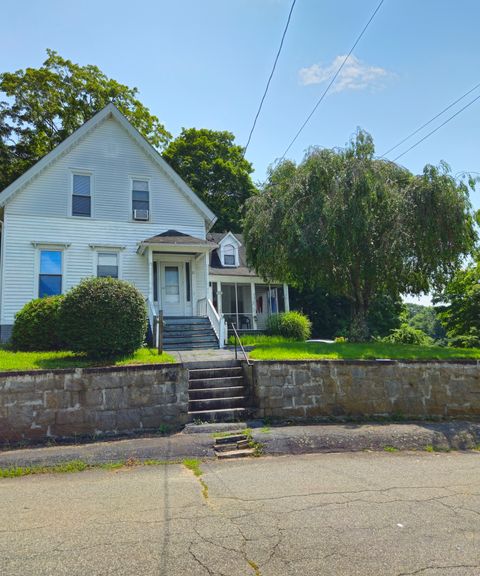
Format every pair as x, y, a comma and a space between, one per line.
129, 419
70, 416
140, 396
93, 398
57, 399
114, 399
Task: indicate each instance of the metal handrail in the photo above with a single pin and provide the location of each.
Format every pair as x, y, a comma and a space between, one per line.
237, 337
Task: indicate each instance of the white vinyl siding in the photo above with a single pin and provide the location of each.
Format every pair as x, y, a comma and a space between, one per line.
20, 279
114, 158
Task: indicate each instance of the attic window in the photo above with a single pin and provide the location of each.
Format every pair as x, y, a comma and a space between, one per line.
229, 255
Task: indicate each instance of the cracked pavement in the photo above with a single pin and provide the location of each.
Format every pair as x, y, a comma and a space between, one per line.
361, 514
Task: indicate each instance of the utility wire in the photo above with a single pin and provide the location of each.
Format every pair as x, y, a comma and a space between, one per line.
437, 128
333, 79
430, 121
270, 77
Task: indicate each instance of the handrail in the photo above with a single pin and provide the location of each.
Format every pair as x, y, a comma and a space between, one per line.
237, 337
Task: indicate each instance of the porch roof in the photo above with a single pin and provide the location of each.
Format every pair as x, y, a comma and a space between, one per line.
173, 240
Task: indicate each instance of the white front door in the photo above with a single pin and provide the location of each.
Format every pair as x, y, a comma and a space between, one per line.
173, 288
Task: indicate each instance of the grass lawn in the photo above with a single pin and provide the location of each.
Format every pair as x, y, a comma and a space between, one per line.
50, 360
317, 351
257, 339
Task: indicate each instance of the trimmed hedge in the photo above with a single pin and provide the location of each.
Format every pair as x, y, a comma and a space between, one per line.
292, 325
103, 317
36, 325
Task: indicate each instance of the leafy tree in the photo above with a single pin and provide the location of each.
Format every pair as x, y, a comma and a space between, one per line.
426, 319
359, 227
331, 315
45, 105
461, 315
214, 167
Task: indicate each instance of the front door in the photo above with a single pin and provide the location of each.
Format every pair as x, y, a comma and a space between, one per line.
172, 285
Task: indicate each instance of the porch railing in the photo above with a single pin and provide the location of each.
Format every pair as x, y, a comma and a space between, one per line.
205, 307
156, 325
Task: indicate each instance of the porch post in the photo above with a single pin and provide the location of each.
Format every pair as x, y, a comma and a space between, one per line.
254, 305
219, 297
150, 273
286, 298
193, 265
206, 275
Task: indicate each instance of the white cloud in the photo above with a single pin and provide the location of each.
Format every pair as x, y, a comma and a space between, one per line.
355, 75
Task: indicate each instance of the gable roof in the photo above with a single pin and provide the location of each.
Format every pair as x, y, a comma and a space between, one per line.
110, 110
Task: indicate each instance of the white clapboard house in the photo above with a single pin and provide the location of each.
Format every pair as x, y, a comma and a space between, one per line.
105, 203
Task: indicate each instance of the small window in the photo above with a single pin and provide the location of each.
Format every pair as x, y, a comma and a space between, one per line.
229, 255
81, 195
107, 265
140, 200
50, 273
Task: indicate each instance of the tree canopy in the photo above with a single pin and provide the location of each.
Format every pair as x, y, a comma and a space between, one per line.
45, 105
358, 226
214, 167
461, 312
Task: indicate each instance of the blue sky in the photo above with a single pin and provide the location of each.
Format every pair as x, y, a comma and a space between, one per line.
205, 64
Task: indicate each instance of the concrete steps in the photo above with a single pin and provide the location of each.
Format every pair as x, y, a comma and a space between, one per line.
188, 333
233, 446
216, 392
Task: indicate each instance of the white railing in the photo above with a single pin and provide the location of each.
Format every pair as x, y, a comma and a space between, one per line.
154, 323
205, 307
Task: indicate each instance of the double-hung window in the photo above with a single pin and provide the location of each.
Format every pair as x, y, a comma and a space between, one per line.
107, 265
82, 195
140, 200
229, 255
50, 273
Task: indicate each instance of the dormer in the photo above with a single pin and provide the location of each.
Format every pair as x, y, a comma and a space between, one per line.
228, 251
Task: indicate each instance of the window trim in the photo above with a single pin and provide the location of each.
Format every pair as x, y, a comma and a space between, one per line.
48, 247
235, 256
147, 179
81, 172
106, 249
109, 252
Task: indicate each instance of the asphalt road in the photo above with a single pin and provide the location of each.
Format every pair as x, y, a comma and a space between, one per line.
364, 514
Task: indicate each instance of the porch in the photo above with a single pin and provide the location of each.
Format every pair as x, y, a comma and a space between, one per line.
178, 289
248, 304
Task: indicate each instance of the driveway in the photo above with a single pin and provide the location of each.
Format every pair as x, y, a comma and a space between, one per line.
363, 514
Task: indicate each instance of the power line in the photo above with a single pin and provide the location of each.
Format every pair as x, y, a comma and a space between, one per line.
270, 77
333, 79
437, 128
430, 121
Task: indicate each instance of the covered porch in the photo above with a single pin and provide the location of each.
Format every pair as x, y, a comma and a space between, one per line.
248, 303
177, 272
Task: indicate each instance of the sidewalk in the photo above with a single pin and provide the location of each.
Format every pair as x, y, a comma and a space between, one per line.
281, 440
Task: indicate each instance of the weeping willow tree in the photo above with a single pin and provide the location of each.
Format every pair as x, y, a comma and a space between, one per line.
359, 226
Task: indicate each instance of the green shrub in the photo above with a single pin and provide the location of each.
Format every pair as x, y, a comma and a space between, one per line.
103, 317
292, 325
408, 335
340, 340
465, 341
36, 325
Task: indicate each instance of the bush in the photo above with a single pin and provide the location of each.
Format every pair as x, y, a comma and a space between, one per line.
36, 325
103, 317
292, 325
340, 340
465, 341
407, 335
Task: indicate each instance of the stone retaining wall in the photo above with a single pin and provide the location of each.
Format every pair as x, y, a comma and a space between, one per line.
325, 389
66, 403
